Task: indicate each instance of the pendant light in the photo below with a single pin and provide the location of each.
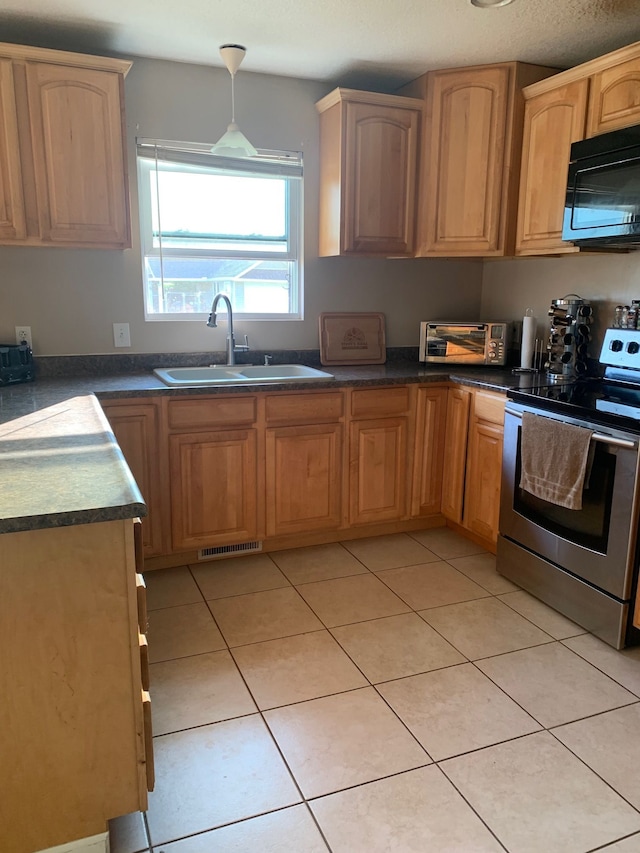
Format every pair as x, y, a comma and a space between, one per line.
490, 4
233, 143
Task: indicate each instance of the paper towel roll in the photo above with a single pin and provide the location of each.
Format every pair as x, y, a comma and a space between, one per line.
529, 328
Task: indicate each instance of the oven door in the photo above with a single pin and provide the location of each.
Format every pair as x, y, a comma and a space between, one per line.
596, 543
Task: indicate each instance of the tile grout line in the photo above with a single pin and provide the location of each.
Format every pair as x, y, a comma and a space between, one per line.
582, 760
371, 684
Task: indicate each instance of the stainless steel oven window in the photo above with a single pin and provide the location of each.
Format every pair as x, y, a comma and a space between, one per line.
589, 526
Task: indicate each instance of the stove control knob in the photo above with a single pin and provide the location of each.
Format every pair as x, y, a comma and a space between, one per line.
616, 345
633, 347
491, 354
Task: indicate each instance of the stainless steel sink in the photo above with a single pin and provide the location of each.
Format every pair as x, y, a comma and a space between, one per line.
240, 374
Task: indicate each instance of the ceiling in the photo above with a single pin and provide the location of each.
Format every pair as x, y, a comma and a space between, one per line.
358, 43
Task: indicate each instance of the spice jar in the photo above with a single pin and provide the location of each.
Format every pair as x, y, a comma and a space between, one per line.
617, 320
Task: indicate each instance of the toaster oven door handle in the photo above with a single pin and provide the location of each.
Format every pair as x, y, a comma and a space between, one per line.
598, 436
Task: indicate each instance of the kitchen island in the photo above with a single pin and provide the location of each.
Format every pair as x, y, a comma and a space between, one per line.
75, 732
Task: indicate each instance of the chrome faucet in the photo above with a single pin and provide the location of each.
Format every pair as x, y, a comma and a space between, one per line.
212, 322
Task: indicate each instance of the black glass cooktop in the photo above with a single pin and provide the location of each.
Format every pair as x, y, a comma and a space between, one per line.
595, 400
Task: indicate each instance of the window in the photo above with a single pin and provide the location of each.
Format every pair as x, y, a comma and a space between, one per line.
213, 224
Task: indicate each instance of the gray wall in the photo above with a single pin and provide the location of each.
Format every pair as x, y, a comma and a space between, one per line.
71, 297
511, 286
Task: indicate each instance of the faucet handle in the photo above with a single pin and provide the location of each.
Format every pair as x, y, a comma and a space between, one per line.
242, 347
267, 360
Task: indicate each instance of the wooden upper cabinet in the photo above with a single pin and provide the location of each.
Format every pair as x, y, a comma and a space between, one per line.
63, 170
12, 221
76, 126
472, 142
368, 173
463, 173
553, 120
614, 100
595, 97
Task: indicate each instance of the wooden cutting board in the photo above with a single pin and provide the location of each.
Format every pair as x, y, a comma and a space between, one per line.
354, 338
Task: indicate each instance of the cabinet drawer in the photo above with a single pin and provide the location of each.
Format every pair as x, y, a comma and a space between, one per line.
148, 740
286, 409
194, 412
380, 402
138, 544
141, 600
489, 407
143, 645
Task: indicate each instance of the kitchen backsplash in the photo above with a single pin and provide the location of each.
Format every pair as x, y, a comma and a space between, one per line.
85, 365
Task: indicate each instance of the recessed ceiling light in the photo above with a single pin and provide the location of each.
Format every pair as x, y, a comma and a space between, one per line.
489, 4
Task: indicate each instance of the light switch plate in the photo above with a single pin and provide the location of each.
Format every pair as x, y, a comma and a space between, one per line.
121, 335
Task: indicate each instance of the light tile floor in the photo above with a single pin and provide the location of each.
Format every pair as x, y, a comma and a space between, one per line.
389, 694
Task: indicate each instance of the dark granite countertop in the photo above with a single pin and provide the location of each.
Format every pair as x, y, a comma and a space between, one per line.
18, 400
60, 462
61, 465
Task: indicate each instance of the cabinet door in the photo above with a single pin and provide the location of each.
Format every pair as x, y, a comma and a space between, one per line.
455, 453
302, 475
552, 121
72, 747
377, 470
214, 485
463, 172
80, 168
429, 451
12, 219
380, 179
614, 99
136, 428
484, 466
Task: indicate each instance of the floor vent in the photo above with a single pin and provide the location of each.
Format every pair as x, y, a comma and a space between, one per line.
226, 550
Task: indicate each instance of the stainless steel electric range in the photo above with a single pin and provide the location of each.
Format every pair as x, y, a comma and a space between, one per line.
584, 562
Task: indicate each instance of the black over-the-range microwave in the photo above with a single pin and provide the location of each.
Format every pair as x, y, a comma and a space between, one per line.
602, 206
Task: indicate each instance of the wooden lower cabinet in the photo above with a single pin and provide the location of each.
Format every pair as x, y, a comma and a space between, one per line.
136, 426
484, 467
473, 461
303, 467
428, 460
72, 721
303, 484
455, 453
378, 470
214, 485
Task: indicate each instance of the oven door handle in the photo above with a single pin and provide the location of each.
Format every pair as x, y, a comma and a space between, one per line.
597, 436
613, 442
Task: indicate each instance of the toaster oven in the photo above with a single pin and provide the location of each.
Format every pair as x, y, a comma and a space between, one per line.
464, 343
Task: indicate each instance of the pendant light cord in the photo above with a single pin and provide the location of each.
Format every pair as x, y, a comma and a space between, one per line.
233, 99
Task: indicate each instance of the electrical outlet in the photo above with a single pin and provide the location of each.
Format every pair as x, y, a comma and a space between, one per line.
121, 335
23, 333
